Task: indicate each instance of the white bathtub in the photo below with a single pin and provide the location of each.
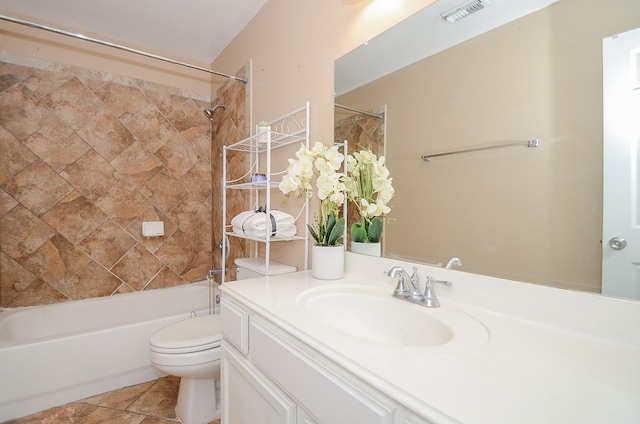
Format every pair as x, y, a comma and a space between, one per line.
54, 354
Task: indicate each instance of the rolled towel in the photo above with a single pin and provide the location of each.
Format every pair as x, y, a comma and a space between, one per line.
284, 232
239, 219
258, 221
254, 223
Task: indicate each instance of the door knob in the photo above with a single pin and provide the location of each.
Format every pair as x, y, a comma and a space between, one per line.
618, 243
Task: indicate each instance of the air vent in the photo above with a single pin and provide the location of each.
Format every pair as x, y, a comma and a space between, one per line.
464, 10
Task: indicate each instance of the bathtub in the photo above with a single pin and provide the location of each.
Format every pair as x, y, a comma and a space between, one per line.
54, 354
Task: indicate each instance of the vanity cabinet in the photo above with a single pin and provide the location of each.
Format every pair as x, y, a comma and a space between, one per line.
285, 381
249, 397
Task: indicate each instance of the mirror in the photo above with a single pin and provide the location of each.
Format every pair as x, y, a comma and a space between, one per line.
527, 214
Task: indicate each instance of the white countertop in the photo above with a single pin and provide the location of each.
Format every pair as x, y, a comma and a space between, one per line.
537, 366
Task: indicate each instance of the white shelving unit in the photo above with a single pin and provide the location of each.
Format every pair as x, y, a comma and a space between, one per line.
291, 129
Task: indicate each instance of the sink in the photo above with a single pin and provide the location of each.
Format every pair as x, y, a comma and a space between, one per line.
372, 315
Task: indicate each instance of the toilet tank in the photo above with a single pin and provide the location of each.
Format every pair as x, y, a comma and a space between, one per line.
255, 267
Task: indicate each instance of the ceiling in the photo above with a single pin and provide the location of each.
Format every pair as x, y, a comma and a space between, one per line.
197, 30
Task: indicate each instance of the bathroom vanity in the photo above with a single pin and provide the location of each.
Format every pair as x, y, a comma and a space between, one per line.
301, 350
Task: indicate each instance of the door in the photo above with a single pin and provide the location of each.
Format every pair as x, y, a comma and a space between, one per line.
621, 202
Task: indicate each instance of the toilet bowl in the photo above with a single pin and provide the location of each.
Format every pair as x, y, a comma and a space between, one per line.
190, 349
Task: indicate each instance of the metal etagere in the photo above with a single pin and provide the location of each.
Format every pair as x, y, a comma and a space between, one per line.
291, 129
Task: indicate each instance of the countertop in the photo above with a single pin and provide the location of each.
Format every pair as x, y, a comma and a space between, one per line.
528, 371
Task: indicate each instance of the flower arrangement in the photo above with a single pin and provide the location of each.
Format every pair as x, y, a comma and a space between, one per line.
323, 163
369, 187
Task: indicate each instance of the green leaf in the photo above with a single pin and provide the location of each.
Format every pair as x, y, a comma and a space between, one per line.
358, 233
337, 232
313, 234
331, 222
375, 229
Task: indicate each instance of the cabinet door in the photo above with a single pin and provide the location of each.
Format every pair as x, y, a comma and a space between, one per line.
305, 418
324, 394
405, 417
235, 324
248, 398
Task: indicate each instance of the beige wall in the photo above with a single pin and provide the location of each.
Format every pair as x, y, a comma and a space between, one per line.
292, 45
528, 214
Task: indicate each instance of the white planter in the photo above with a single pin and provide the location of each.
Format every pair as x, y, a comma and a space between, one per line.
327, 262
371, 249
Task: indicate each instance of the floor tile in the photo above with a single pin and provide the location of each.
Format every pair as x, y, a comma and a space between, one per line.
120, 399
159, 400
72, 413
152, 402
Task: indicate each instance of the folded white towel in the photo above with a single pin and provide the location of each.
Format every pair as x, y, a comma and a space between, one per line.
287, 231
252, 220
255, 223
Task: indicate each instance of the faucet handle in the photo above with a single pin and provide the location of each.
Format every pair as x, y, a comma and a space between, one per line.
414, 276
430, 298
444, 283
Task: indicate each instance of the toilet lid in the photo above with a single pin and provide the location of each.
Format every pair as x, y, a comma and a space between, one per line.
190, 335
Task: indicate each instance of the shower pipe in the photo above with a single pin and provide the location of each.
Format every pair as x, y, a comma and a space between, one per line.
377, 115
118, 46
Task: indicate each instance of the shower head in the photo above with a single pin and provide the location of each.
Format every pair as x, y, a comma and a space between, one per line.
209, 112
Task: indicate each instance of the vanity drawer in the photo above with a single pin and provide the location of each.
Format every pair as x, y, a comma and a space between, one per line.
235, 324
329, 398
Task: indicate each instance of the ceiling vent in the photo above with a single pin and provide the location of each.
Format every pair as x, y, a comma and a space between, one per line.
464, 10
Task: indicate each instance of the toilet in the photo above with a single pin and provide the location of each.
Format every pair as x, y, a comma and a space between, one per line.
255, 267
190, 349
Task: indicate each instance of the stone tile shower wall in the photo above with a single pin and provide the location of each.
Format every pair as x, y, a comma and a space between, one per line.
83, 162
229, 126
362, 132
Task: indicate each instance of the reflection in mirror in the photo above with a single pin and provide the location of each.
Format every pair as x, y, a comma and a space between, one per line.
532, 215
363, 129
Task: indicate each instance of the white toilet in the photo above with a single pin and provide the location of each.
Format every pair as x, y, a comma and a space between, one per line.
190, 349
255, 267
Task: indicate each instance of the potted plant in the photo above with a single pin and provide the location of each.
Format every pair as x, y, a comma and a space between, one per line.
322, 163
370, 188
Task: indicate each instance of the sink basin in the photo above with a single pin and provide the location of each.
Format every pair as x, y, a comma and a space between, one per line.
371, 314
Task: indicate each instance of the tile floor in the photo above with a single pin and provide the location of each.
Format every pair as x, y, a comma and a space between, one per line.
152, 402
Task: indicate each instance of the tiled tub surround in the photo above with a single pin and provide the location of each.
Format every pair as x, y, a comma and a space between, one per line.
54, 354
553, 356
362, 132
229, 126
83, 162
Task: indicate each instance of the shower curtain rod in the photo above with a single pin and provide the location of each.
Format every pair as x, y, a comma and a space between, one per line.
377, 115
118, 46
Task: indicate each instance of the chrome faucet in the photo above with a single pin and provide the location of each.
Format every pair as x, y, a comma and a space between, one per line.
430, 299
408, 287
401, 290
453, 261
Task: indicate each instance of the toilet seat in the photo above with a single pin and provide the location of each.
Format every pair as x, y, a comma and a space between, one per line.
191, 335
